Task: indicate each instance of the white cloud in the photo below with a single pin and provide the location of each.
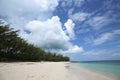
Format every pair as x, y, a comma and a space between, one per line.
69, 3
98, 22
50, 36
13, 6
116, 31
78, 3
103, 54
17, 12
70, 11
110, 4
35, 16
80, 16
101, 20
84, 30
97, 52
74, 49
70, 28
94, 52
105, 37
65, 3
47, 34
116, 54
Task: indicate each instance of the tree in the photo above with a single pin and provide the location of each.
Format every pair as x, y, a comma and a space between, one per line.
14, 48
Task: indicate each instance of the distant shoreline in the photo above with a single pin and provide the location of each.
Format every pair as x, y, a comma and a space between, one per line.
95, 61
79, 68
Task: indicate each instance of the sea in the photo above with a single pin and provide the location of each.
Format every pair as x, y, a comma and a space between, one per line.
108, 67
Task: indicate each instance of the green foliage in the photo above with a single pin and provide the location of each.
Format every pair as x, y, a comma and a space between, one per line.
14, 48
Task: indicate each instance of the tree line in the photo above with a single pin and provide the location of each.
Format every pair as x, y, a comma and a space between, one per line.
14, 48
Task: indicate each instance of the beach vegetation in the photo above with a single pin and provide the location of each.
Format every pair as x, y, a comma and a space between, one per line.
14, 48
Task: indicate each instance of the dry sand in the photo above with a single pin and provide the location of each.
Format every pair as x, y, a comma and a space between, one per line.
35, 71
45, 71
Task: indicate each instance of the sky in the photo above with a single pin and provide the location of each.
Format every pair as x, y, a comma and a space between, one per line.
80, 29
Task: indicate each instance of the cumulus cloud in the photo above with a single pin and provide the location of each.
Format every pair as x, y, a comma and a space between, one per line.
70, 28
47, 34
50, 36
106, 36
38, 25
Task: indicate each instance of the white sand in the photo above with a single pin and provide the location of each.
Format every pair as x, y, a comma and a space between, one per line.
45, 71
35, 71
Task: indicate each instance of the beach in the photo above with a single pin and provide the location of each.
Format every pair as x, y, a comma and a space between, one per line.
46, 71
86, 74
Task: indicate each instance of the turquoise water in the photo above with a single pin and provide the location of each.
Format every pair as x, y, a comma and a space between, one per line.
110, 68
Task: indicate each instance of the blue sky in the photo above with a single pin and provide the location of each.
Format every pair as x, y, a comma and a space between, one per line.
80, 29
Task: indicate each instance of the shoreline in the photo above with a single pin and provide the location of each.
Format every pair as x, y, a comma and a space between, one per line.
86, 74
47, 71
